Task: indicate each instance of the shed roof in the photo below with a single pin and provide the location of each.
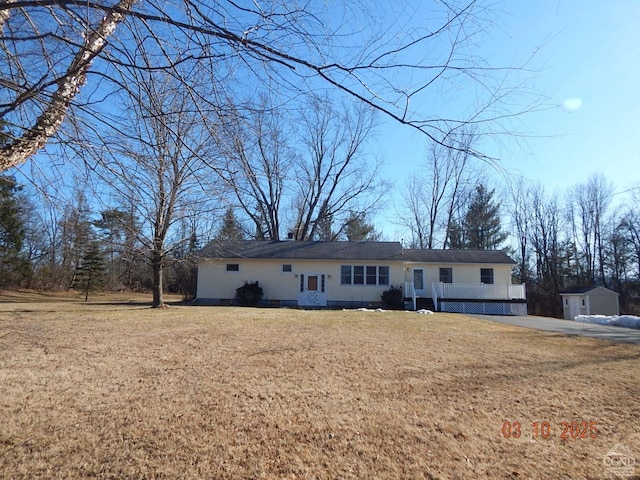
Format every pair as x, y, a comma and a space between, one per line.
580, 290
361, 251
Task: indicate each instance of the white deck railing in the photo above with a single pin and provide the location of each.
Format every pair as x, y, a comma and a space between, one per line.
468, 291
410, 292
480, 291
434, 295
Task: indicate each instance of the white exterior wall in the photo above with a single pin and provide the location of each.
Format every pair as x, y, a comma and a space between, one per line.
603, 302
214, 282
469, 273
574, 305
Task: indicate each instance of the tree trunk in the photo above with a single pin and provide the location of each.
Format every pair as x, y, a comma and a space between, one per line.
86, 292
4, 14
68, 87
156, 265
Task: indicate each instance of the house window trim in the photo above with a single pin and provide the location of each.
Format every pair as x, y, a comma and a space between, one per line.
363, 274
483, 276
286, 272
448, 278
344, 275
234, 272
386, 275
360, 276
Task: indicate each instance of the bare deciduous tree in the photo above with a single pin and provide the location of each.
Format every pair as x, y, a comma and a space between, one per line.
545, 234
545, 228
258, 165
521, 194
51, 49
333, 178
631, 223
591, 201
436, 192
311, 158
156, 161
36, 94
619, 257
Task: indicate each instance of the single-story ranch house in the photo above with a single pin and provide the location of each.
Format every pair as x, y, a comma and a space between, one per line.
355, 274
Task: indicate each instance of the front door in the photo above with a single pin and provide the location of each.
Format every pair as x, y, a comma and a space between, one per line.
418, 282
312, 291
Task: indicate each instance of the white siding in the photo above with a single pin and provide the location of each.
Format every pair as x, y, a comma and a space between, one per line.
468, 273
215, 283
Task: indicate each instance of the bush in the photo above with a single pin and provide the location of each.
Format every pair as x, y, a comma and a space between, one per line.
249, 294
392, 298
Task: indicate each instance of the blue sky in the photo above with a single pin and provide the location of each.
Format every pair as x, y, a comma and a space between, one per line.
591, 68
588, 65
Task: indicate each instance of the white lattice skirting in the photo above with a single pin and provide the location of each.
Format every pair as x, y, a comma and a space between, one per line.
487, 308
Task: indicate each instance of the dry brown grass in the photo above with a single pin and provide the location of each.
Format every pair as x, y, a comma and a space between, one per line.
123, 391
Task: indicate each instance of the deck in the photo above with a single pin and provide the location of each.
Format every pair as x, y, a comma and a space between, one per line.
480, 298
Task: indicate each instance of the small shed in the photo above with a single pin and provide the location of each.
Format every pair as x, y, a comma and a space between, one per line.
589, 301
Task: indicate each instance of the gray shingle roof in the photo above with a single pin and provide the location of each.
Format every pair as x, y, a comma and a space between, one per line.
586, 289
458, 256
363, 251
578, 290
290, 250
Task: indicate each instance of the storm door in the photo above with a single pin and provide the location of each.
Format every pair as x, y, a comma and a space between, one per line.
312, 291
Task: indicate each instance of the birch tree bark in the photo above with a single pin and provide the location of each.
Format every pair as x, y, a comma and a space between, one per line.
19, 149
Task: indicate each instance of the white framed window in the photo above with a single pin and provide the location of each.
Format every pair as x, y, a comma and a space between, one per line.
345, 275
364, 275
232, 267
287, 268
358, 275
383, 275
486, 275
446, 275
372, 275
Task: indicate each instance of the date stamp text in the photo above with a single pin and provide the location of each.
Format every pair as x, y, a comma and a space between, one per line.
577, 429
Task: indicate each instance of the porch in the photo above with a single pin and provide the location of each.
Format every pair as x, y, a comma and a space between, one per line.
481, 298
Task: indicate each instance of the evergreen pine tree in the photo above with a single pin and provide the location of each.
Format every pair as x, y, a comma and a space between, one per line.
457, 235
357, 229
324, 232
13, 265
90, 274
481, 226
231, 228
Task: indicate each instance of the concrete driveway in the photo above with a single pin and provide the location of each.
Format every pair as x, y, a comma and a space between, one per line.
568, 327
